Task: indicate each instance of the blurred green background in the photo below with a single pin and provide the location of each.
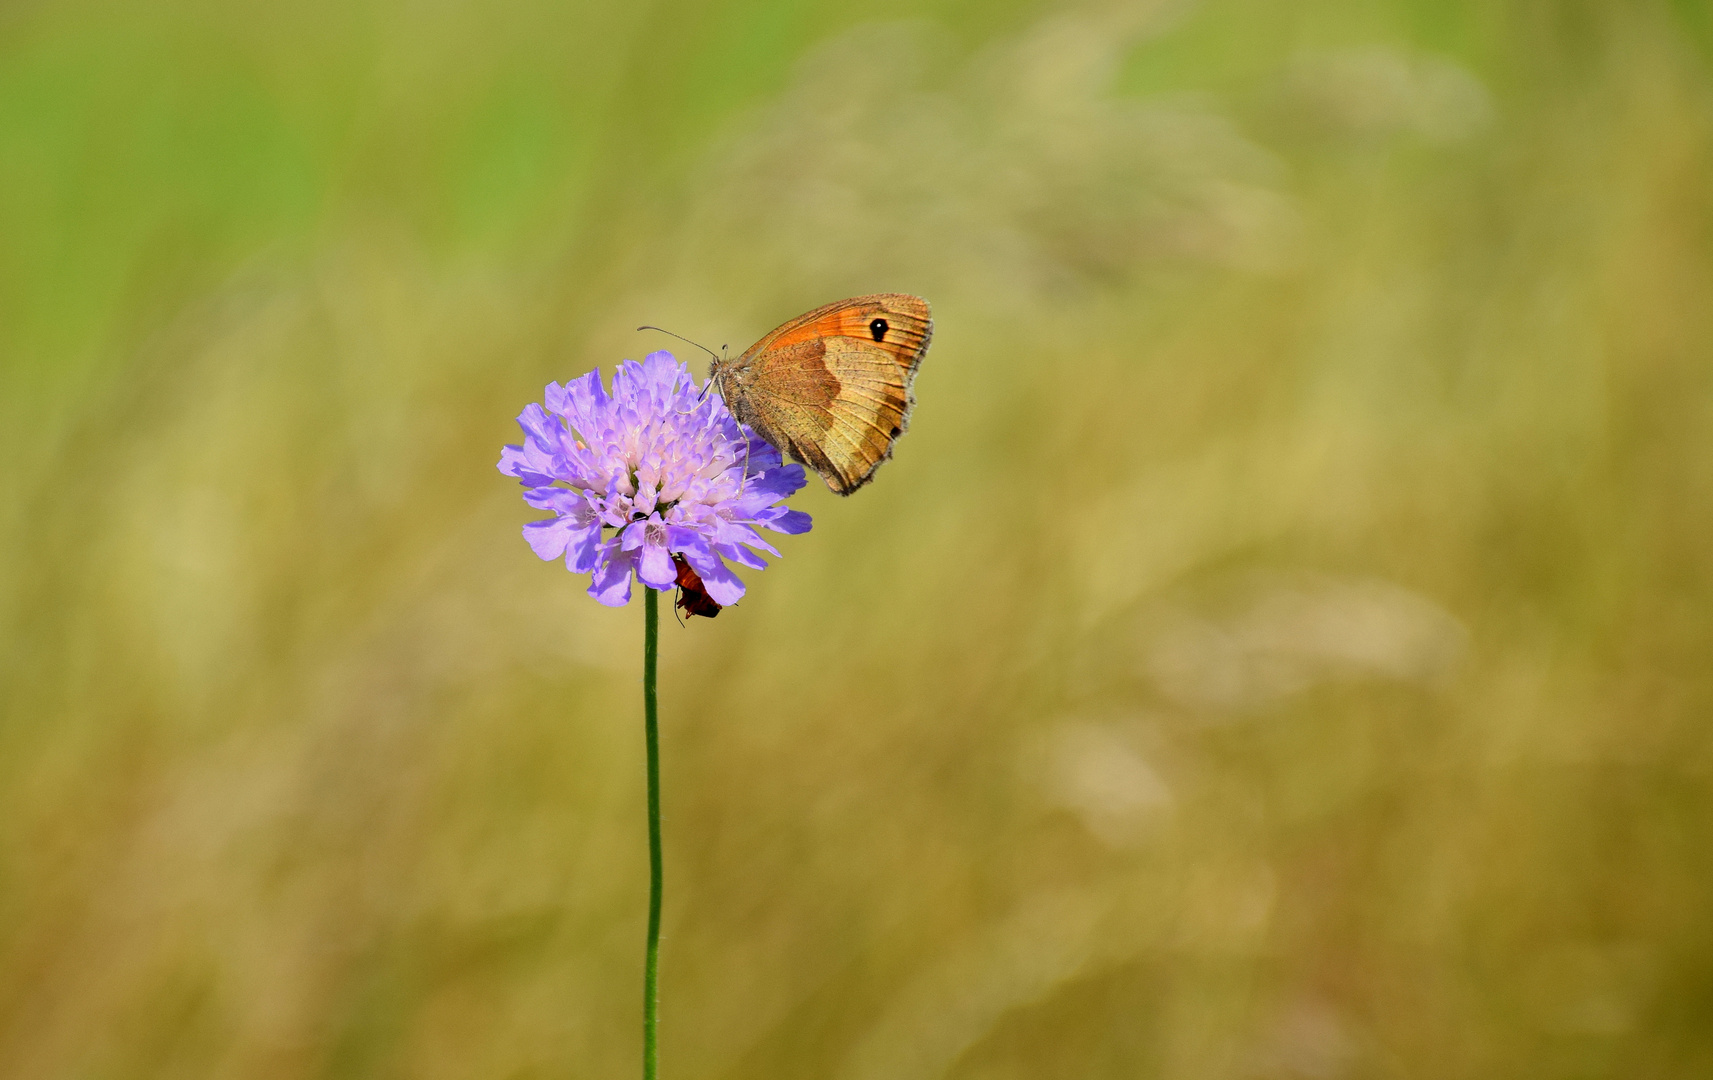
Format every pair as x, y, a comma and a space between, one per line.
1281, 648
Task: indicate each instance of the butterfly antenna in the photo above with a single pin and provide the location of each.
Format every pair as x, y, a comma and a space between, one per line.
684, 339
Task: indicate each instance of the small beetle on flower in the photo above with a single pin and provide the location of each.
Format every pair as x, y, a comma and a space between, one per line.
648, 479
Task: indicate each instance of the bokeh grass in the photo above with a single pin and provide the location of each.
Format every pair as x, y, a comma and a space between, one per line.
1279, 649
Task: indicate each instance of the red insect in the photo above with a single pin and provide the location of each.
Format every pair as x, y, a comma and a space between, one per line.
692, 598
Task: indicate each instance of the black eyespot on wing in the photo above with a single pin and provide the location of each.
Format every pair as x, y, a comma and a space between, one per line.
878, 328
895, 432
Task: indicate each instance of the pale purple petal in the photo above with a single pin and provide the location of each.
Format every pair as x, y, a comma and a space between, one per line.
762, 454
655, 565
743, 534
557, 398
717, 578
679, 538
561, 500
655, 568
548, 538
741, 555
528, 464
660, 370
771, 486
543, 430
583, 552
611, 583
792, 523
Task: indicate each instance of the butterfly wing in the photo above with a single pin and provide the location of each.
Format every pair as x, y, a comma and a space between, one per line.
832, 388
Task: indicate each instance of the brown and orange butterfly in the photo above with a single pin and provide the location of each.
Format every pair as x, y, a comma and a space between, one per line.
833, 388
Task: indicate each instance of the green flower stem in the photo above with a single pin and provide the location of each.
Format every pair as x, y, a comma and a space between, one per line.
651, 722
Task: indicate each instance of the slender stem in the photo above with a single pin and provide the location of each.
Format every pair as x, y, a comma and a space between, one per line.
651, 722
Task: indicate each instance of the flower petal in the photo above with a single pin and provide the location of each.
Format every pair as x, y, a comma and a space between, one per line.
660, 370
528, 464
681, 538
582, 553
792, 523
764, 489
655, 567
632, 535
717, 578
544, 431
611, 582
557, 398
763, 455
743, 534
560, 500
741, 555
548, 538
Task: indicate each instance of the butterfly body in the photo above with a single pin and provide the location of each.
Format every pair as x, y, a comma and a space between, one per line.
833, 388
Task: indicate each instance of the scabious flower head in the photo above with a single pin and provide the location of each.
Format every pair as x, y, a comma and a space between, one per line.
653, 473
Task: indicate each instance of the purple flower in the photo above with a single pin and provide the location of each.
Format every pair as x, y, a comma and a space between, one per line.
654, 470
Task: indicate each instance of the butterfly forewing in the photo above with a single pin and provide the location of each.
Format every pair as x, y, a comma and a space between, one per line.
832, 388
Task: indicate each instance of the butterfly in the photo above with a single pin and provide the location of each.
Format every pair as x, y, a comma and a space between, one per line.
832, 388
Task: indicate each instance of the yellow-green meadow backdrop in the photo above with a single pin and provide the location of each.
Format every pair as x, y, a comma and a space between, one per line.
1281, 649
